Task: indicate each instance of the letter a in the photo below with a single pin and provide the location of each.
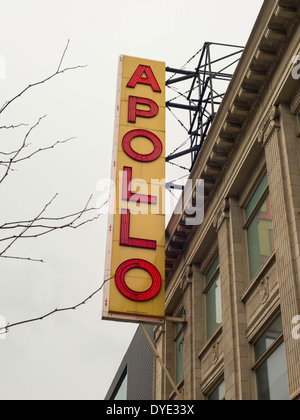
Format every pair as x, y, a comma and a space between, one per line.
138, 77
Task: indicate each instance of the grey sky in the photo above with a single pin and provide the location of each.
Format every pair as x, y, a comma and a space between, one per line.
75, 355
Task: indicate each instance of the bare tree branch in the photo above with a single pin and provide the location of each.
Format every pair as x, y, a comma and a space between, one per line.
63, 56
58, 71
13, 156
4, 330
24, 223
21, 258
13, 126
41, 224
42, 149
27, 227
8, 154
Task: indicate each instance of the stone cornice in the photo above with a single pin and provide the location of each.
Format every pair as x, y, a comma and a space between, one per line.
264, 50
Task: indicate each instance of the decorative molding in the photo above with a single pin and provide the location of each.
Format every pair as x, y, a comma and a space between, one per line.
267, 313
269, 125
217, 336
264, 290
213, 378
187, 278
215, 352
263, 272
221, 215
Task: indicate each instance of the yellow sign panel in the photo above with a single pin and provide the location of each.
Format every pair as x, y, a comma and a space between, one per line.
135, 266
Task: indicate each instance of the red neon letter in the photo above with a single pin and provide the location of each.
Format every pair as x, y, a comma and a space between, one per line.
126, 240
132, 294
128, 195
158, 147
148, 80
133, 112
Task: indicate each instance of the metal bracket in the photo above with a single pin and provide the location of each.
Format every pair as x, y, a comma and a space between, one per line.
179, 396
171, 186
176, 320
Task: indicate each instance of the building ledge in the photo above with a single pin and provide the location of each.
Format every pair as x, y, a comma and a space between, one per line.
256, 67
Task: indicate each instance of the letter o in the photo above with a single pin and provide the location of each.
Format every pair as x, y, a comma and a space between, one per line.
126, 266
126, 144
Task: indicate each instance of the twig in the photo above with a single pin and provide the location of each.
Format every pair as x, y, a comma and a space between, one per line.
58, 71
24, 223
48, 228
8, 127
42, 149
17, 152
62, 58
21, 258
11, 153
6, 328
13, 158
28, 227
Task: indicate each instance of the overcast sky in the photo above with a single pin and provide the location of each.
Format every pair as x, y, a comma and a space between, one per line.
75, 355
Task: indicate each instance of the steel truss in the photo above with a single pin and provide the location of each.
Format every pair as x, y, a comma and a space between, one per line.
199, 93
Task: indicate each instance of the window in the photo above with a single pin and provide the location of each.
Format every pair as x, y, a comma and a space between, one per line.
270, 366
259, 227
179, 341
213, 299
120, 393
218, 394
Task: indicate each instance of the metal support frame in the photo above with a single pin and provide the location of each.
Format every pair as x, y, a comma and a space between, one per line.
204, 93
161, 362
175, 321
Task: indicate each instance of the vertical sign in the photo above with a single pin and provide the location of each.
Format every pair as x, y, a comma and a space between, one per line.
135, 265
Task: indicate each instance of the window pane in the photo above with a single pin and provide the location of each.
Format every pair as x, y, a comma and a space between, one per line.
272, 383
269, 336
213, 308
218, 394
212, 270
179, 354
121, 394
260, 237
256, 196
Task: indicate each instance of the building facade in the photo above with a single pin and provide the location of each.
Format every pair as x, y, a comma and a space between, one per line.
235, 278
134, 378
